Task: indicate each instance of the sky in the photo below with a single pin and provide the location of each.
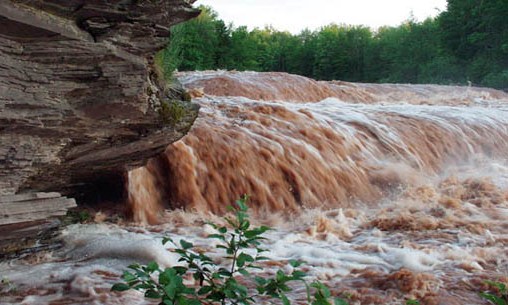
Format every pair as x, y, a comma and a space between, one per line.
296, 15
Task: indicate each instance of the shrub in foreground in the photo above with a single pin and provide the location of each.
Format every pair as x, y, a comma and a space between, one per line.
499, 298
215, 284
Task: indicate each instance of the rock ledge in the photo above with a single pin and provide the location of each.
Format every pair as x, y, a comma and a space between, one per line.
79, 92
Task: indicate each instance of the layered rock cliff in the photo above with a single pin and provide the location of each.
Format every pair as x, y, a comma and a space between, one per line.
80, 97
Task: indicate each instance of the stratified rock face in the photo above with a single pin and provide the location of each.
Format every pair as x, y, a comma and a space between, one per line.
78, 90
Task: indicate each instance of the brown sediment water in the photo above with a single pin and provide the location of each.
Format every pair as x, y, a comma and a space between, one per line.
387, 192
328, 154
276, 86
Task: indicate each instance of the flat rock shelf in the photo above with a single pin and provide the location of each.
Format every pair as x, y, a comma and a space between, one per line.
29, 221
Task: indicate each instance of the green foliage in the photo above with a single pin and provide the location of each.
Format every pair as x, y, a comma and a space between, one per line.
215, 284
467, 42
77, 216
171, 112
411, 53
164, 66
194, 45
412, 302
499, 298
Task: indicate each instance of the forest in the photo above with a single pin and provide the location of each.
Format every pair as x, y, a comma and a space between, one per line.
465, 44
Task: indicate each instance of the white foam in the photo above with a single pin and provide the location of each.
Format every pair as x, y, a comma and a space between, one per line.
411, 259
101, 241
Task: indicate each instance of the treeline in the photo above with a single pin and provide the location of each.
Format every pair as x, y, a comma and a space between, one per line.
466, 43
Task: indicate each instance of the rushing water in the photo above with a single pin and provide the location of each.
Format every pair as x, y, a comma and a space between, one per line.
388, 192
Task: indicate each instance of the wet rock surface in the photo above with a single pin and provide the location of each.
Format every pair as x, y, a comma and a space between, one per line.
79, 93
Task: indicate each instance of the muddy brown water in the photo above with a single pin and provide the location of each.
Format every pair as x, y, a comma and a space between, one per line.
388, 192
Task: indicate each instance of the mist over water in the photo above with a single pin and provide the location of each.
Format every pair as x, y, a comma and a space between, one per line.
388, 192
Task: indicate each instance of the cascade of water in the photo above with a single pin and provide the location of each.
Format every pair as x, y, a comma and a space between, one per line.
143, 196
329, 154
400, 200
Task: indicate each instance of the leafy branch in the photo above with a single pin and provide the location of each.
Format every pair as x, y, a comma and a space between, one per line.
500, 298
215, 284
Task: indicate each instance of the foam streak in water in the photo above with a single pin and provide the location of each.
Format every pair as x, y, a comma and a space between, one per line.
325, 154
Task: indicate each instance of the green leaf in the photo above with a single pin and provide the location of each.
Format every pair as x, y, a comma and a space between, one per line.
164, 278
297, 274
254, 232
242, 203
321, 301
242, 258
193, 302
295, 263
262, 258
498, 285
165, 240
494, 299
260, 281
284, 287
223, 230
134, 266
187, 290
167, 276
128, 277
224, 272
216, 236
133, 283
205, 258
180, 270
185, 245
230, 293
152, 294
285, 300
280, 276
152, 267
216, 275
170, 289
199, 276
322, 289
412, 302
230, 221
244, 272
167, 302
250, 234
205, 290
340, 301
241, 216
181, 252
120, 287
326, 292
244, 225
240, 289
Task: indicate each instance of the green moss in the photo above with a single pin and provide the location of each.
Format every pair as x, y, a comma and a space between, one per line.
163, 67
171, 112
77, 216
186, 96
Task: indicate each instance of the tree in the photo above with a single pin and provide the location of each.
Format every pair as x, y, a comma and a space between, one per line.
469, 41
476, 32
193, 45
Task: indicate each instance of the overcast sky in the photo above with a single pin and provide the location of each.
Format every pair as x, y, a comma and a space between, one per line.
295, 15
